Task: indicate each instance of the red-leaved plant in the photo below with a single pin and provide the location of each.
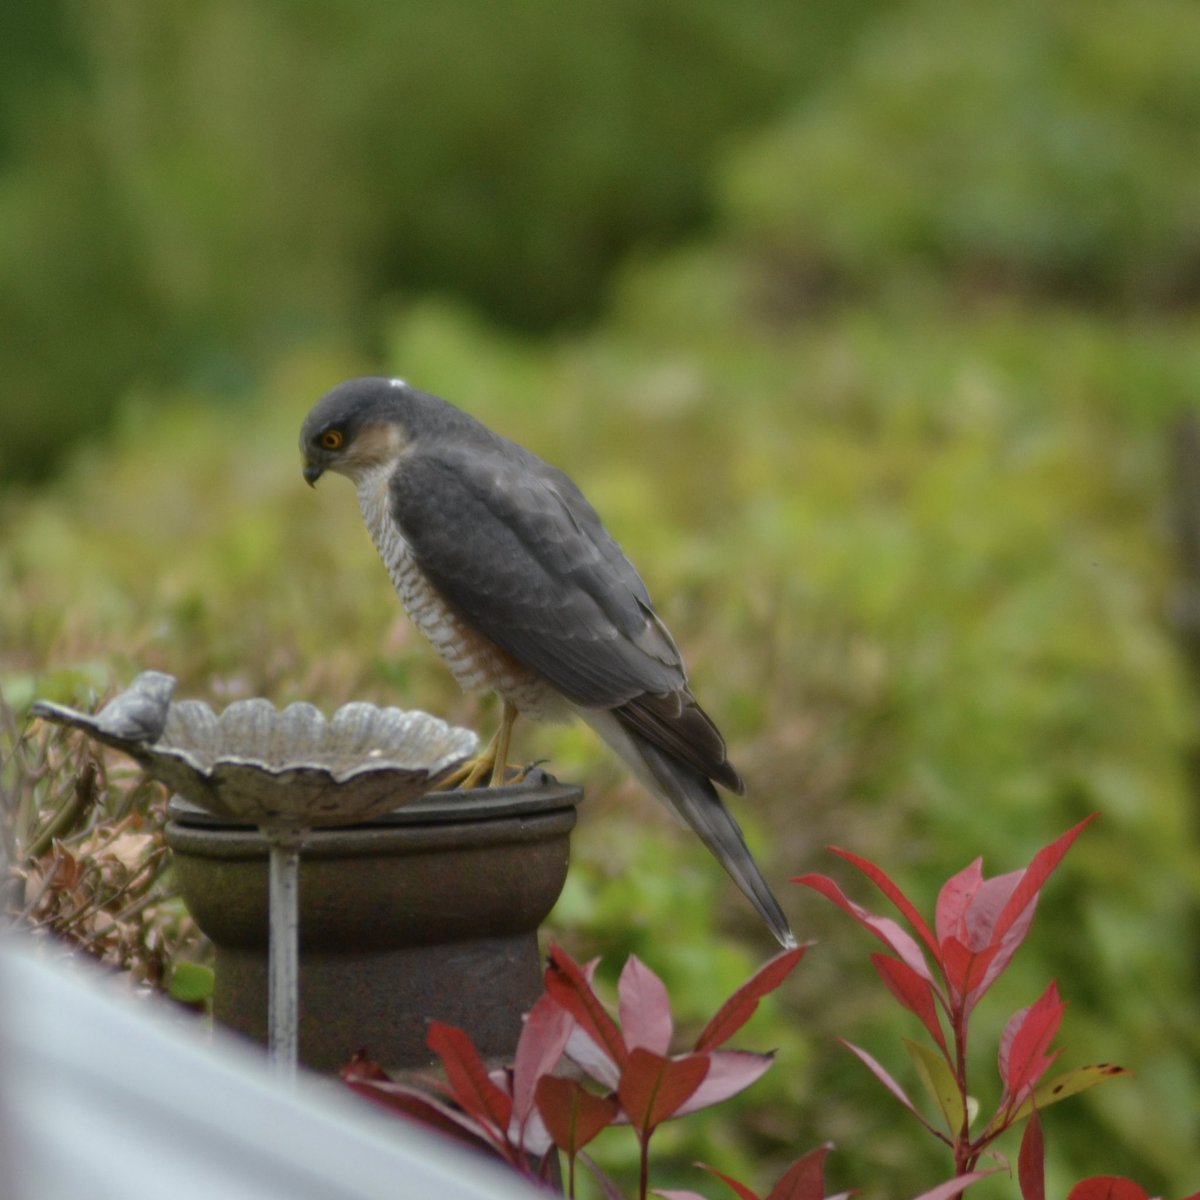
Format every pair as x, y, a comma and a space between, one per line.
1031, 1174
630, 1077
522, 1113
978, 926
803, 1180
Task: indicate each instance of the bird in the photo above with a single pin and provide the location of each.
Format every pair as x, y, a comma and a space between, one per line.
508, 570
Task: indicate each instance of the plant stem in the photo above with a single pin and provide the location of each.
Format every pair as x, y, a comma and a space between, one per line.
963, 1150
83, 797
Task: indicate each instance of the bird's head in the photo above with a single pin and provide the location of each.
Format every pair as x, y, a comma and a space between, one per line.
359, 426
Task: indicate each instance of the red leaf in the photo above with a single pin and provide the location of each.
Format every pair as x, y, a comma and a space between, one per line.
804, 1179
729, 1072
966, 970
915, 993
1039, 870
969, 906
542, 1043
645, 1008
416, 1106
468, 1077
572, 1114
592, 1060
982, 915
1107, 1187
739, 1189
884, 928
531, 1134
741, 1006
969, 916
1008, 944
653, 1087
566, 982
1025, 1044
892, 1086
362, 1067
954, 899
1031, 1161
954, 1187
884, 883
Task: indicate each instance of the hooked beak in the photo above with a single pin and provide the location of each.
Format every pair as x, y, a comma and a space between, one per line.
312, 472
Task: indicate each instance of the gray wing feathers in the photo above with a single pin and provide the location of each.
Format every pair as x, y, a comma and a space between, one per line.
524, 558
695, 799
679, 725
516, 549
689, 794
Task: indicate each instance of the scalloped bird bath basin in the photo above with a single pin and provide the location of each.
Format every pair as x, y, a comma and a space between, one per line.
408, 905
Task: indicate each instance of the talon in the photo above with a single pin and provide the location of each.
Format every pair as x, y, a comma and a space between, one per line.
522, 773
455, 778
490, 762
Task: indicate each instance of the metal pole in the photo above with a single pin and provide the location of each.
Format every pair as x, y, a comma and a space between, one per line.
283, 1018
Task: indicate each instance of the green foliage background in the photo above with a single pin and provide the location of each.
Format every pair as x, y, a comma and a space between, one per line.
864, 325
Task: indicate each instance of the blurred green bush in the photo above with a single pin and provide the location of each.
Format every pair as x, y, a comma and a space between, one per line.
184, 190
1005, 145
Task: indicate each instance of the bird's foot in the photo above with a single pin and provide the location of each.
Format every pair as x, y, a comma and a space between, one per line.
474, 771
469, 773
491, 762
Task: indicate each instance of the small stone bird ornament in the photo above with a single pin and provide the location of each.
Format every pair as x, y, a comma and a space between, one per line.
506, 568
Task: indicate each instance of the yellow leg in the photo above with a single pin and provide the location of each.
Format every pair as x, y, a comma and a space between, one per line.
508, 718
491, 761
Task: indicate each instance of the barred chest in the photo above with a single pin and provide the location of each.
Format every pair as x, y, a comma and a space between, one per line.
476, 664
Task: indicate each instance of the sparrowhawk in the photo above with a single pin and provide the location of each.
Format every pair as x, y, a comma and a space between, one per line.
506, 568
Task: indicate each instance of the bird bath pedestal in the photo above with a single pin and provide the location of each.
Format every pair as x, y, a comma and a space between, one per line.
429, 912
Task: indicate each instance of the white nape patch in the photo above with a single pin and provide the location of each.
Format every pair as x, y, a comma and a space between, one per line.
397, 383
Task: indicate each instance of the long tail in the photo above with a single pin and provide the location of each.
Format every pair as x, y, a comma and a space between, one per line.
691, 796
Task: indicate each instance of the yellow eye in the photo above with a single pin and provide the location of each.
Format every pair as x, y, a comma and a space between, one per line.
331, 439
